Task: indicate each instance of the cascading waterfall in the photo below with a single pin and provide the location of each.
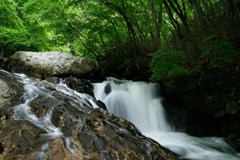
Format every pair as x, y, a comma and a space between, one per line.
33, 89
140, 103
23, 111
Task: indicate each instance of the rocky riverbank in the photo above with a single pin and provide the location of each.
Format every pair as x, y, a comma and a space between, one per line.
42, 119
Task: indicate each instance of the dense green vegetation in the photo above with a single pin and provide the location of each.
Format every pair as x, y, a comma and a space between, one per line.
164, 39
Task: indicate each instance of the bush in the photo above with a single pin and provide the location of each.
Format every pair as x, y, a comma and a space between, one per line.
219, 53
167, 63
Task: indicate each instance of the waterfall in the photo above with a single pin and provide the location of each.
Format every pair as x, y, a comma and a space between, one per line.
140, 103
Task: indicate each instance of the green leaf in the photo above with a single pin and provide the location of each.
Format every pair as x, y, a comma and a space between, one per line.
167, 64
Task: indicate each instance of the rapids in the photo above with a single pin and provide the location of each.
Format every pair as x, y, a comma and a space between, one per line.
140, 103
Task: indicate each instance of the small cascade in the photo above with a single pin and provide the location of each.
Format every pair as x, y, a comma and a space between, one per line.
137, 102
34, 89
23, 111
140, 103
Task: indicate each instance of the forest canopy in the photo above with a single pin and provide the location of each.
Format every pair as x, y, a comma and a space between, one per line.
157, 38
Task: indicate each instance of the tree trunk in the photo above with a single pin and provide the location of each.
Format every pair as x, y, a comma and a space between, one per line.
156, 23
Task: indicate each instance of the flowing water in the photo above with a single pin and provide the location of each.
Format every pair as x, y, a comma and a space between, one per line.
34, 89
140, 103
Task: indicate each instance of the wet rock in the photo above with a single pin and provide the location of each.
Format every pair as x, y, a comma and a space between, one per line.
2, 63
231, 129
232, 107
196, 124
50, 64
208, 93
5, 93
234, 140
86, 133
58, 150
107, 88
20, 139
79, 85
101, 105
213, 100
11, 90
54, 80
100, 134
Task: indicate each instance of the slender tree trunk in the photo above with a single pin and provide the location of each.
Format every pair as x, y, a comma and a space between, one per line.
156, 23
115, 30
200, 15
130, 28
173, 20
177, 9
103, 43
2, 51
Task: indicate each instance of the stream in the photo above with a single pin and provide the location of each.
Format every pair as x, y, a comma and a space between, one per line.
137, 102
140, 103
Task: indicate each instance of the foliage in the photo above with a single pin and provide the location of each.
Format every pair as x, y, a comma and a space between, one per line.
167, 63
121, 34
219, 53
15, 34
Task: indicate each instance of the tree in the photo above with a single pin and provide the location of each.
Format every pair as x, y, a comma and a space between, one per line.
15, 33
118, 33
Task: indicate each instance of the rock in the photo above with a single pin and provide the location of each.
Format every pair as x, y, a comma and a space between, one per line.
193, 123
206, 93
5, 93
50, 64
86, 133
53, 79
213, 105
99, 135
80, 85
20, 140
231, 129
10, 90
232, 107
2, 63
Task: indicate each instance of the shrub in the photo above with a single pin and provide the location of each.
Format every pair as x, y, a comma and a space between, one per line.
219, 53
167, 63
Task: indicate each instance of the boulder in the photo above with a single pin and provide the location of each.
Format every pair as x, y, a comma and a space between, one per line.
231, 129
50, 64
11, 90
232, 107
5, 93
79, 85
86, 133
212, 99
2, 63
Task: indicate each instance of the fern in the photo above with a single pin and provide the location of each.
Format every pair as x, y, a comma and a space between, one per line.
220, 53
167, 64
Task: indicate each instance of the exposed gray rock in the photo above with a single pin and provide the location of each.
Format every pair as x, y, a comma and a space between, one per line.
50, 64
5, 93
11, 90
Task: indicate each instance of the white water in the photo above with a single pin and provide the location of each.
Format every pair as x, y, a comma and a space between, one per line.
33, 89
139, 103
23, 111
